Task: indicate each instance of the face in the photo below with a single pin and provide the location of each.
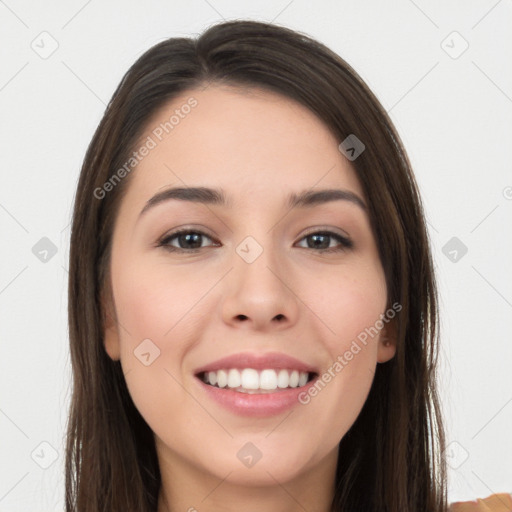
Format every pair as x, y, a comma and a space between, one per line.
283, 291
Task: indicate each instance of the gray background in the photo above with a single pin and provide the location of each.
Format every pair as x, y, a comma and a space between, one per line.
451, 105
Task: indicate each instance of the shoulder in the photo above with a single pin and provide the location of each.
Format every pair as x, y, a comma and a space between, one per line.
495, 503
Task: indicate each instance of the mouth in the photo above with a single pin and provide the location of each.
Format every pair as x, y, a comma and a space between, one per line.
257, 385
253, 381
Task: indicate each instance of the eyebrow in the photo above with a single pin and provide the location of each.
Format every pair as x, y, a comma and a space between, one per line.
205, 195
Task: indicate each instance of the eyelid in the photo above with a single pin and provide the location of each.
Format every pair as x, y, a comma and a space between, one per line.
318, 229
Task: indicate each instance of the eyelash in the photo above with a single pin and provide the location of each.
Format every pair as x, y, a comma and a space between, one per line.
345, 243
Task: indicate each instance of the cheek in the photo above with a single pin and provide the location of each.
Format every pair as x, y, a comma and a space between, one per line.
155, 302
351, 310
158, 311
350, 305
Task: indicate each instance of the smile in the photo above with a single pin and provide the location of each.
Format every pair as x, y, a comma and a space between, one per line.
256, 384
252, 381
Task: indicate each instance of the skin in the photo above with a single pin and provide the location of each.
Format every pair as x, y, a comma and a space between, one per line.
258, 147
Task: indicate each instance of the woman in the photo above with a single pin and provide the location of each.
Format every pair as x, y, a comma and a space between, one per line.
285, 359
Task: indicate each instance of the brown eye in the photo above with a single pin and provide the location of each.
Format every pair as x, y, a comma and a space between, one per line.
184, 240
321, 241
187, 240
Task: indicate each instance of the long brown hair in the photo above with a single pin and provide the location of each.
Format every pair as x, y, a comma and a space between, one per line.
392, 457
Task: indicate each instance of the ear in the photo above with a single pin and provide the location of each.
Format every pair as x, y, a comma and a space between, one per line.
387, 341
110, 331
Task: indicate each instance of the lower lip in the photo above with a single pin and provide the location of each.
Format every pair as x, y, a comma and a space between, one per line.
256, 404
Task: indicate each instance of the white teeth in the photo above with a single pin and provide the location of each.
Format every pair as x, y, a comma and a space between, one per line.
294, 379
250, 379
268, 379
283, 379
222, 378
234, 380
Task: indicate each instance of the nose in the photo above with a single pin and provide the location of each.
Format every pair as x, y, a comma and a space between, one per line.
259, 294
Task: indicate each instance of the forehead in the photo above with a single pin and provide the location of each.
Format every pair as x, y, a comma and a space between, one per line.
249, 142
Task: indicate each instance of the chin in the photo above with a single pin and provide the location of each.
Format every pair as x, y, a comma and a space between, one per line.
261, 463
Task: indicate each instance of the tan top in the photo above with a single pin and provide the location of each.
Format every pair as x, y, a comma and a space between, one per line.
495, 503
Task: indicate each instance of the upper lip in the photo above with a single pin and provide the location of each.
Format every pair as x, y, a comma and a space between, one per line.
268, 360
